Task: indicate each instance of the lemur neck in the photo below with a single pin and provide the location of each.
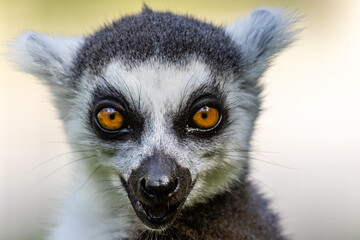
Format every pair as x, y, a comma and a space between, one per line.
241, 213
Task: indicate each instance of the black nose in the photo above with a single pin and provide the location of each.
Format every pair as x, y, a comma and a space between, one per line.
158, 188
159, 181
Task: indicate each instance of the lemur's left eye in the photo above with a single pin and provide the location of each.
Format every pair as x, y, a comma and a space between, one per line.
206, 117
110, 119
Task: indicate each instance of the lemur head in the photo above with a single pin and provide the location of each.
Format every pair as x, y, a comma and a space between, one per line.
167, 102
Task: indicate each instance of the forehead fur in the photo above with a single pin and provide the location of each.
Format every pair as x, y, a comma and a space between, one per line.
155, 86
162, 35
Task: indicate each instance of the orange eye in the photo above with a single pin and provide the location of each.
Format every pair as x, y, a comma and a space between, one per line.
110, 119
206, 117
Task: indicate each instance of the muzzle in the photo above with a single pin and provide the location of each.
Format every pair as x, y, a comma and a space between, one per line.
157, 189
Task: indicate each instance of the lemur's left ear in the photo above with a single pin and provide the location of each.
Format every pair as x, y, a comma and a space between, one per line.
261, 36
47, 57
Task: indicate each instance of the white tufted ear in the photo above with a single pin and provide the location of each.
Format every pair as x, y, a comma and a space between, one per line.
47, 57
261, 36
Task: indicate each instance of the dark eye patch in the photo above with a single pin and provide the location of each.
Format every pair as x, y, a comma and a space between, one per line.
184, 124
107, 97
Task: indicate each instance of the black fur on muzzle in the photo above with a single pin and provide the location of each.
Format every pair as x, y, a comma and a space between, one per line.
157, 189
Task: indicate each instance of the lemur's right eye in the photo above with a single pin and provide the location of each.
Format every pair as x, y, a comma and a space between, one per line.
110, 119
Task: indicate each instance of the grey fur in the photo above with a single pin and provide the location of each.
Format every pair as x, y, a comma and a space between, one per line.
155, 66
220, 218
161, 35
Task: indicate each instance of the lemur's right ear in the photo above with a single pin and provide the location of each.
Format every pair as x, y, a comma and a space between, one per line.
47, 57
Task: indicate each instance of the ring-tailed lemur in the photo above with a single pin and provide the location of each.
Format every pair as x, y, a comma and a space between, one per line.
161, 109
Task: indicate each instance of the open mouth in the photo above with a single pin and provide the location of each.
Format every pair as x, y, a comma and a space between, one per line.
156, 216
157, 190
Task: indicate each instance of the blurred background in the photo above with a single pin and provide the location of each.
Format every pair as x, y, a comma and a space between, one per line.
306, 146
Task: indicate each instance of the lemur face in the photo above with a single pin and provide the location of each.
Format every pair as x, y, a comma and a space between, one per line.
173, 134
167, 102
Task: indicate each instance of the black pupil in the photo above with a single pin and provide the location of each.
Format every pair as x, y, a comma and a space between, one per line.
112, 116
204, 115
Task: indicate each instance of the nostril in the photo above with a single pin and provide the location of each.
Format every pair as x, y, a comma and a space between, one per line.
171, 188
142, 183
176, 185
145, 190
